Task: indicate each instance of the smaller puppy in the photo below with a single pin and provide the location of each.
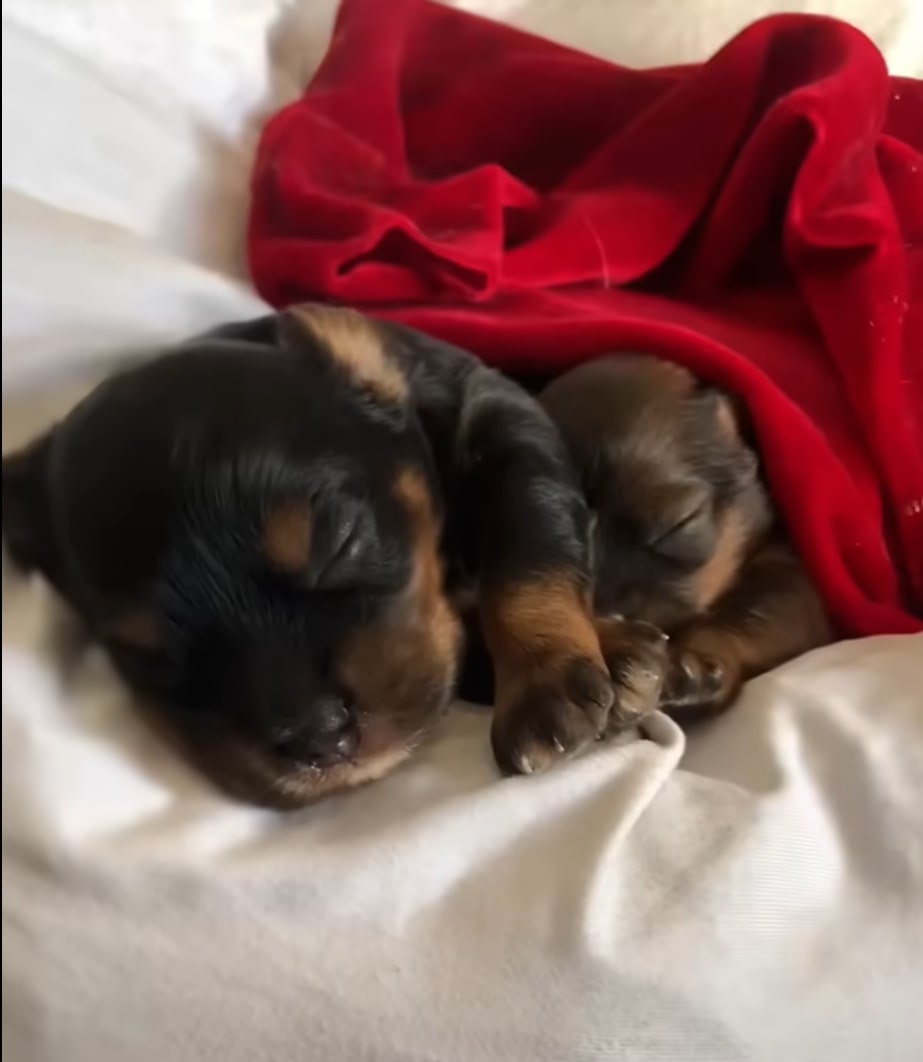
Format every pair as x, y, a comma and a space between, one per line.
685, 535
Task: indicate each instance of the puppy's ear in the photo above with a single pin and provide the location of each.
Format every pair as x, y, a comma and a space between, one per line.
728, 412
25, 515
724, 410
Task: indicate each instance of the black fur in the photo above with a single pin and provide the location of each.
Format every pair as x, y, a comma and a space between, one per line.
150, 499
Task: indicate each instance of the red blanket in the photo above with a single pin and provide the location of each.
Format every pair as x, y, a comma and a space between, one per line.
758, 218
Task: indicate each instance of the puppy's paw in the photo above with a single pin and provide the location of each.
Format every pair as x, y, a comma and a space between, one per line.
698, 683
637, 655
549, 713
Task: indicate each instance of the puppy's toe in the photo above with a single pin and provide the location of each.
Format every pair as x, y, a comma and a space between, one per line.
638, 661
697, 684
552, 715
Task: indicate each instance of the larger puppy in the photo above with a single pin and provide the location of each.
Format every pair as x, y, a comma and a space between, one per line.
685, 536
256, 526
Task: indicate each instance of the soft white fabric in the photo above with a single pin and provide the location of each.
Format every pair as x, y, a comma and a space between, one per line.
757, 894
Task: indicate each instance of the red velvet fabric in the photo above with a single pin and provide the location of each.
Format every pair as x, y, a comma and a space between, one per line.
758, 218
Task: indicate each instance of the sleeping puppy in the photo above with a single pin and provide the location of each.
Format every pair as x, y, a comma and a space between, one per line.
264, 529
685, 535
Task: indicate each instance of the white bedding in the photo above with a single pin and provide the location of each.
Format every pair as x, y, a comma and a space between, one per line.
756, 894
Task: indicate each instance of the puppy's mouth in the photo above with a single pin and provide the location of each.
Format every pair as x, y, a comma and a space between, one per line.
259, 772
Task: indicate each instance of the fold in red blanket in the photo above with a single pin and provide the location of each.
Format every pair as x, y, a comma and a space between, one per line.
758, 218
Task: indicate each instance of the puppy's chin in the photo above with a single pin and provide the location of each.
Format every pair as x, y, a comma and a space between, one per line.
254, 774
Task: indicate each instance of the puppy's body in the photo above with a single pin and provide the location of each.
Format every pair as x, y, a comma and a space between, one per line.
685, 536
256, 526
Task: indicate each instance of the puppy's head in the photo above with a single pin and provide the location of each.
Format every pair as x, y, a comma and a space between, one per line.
672, 485
250, 525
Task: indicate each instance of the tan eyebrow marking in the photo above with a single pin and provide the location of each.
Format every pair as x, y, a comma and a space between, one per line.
287, 533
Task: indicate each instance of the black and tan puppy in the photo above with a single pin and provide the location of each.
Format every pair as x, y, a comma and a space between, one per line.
685, 536
264, 528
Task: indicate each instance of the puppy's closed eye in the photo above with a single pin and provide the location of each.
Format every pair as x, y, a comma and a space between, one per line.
663, 536
321, 545
685, 537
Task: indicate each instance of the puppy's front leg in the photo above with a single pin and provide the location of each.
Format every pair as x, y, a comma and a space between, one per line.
771, 614
553, 692
520, 528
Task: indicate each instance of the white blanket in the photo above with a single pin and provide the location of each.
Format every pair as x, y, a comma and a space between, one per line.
755, 894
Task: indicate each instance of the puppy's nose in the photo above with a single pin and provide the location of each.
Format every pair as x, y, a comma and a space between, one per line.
326, 735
